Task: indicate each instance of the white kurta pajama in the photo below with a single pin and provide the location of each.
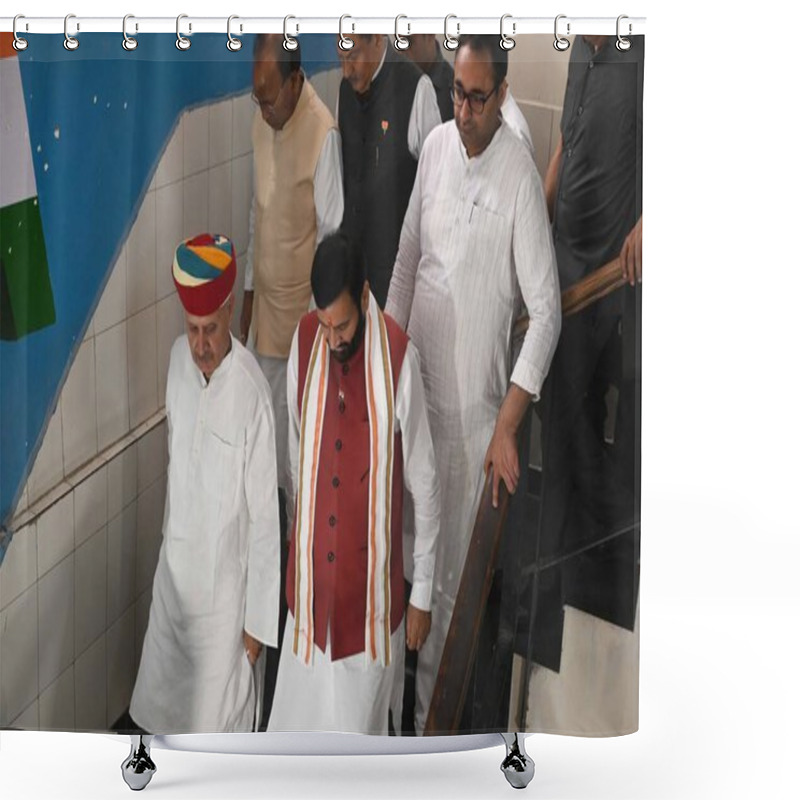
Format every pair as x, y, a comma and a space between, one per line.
353, 694
218, 569
475, 249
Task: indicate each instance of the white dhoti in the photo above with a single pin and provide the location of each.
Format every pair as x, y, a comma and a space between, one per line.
349, 695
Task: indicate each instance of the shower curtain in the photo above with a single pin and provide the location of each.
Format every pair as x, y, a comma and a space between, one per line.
109, 159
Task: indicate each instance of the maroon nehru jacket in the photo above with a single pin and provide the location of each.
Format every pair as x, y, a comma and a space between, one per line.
342, 501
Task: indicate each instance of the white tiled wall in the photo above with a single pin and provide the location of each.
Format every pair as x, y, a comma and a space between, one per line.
76, 583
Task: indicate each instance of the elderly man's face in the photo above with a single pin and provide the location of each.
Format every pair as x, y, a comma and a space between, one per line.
210, 337
342, 323
474, 87
276, 97
360, 62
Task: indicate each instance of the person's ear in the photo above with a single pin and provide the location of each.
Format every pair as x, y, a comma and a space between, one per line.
501, 92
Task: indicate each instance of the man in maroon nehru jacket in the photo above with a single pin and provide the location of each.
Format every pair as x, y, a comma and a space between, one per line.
358, 433
217, 583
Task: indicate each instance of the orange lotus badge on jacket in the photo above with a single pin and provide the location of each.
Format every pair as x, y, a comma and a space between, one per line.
385, 126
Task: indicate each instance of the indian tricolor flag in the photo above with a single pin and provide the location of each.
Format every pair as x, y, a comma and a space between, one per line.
26, 297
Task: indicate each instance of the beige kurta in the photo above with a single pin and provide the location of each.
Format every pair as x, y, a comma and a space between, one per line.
285, 219
218, 571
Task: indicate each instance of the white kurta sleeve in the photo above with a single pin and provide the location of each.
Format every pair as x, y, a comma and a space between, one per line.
419, 475
535, 265
409, 252
515, 119
248, 264
329, 186
263, 553
294, 431
425, 116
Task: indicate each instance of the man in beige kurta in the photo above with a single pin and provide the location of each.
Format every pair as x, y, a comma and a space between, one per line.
297, 200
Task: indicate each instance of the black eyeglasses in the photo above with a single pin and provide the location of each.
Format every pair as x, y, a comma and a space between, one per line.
475, 101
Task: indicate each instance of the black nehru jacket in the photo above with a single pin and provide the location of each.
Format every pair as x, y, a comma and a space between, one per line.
379, 171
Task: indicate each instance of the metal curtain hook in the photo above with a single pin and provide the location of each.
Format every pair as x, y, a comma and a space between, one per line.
289, 43
19, 43
560, 43
451, 42
401, 42
344, 42
128, 42
70, 42
622, 43
233, 43
182, 43
506, 42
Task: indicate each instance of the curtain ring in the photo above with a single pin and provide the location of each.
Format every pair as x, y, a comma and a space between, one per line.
344, 42
622, 43
289, 43
560, 43
451, 42
128, 42
506, 42
401, 42
233, 44
19, 43
182, 43
70, 42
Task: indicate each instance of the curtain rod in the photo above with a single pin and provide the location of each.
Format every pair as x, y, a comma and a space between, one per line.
294, 25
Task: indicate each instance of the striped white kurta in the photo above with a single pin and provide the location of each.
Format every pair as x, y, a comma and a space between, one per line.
475, 252
218, 571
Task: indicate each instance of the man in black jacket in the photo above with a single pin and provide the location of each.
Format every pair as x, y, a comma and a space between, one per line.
387, 107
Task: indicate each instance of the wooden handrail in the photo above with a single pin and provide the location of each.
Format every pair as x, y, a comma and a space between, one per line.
592, 288
458, 656
585, 292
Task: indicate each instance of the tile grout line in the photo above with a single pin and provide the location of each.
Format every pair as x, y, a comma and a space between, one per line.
78, 476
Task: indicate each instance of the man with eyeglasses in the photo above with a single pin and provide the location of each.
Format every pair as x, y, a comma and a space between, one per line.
424, 51
386, 109
475, 252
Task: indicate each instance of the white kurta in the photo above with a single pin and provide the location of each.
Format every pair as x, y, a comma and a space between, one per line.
218, 570
350, 694
475, 247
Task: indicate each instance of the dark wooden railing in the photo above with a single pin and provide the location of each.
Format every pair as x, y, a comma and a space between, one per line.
450, 691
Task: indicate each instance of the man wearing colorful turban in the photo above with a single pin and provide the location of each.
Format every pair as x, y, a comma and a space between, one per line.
216, 587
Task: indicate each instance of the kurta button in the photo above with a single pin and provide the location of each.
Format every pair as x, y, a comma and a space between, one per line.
331, 556
591, 65
345, 369
580, 110
332, 521
338, 444
335, 482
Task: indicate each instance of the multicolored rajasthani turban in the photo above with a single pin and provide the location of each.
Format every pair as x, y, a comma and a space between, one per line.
204, 271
